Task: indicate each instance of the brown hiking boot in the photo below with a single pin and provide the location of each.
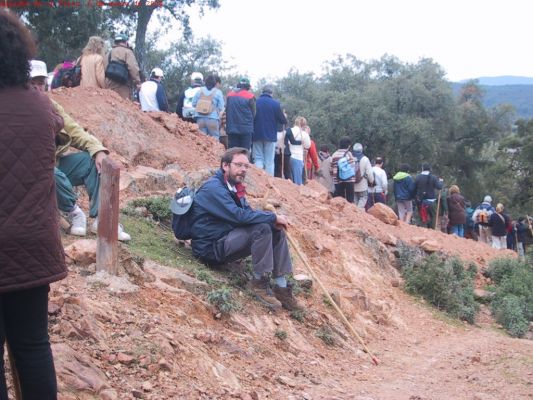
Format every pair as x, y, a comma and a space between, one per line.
263, 293
285, 296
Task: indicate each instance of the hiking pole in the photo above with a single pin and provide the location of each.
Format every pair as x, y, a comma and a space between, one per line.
438, 207
14, 374
270, 207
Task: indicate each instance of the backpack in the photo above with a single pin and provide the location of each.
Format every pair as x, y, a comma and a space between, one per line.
204, 106
358, 176
188, 96
117, 71
181, 206
67, 77
483, 217
344, 170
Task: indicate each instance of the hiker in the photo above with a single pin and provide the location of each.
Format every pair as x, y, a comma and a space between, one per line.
152, 95
323, 153
31, 253
240, 114
470, 226
425, 185
282, 159
323, 174
521, 229
92, 64
343, 187
208, 103
224, 228
121, 68
456, 211
498, 223
404, 192
75, 169
363, 175
297, 147
62, 75
184, 108
377, 191
481, 218
312, 163
267, 118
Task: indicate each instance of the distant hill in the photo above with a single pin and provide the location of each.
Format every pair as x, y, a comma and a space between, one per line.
514, 90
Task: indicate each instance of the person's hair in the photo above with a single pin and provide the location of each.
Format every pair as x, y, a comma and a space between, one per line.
499, 208
210, 82
426, 167
300, 121
404, 167
217, 79
345, 142
454, 189
324, 148
95, 45
17, 47
378, 160
228, 155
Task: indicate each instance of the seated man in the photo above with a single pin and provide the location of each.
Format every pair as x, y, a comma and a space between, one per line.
224, 228
75, 169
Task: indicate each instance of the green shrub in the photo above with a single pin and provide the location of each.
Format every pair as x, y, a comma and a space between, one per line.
326, 335
205, 276
281, 335
501, 267
298, 315
158, 206
223, 300
444, 283
512, 304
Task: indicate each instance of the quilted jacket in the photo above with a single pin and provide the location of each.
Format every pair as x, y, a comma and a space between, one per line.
31, 253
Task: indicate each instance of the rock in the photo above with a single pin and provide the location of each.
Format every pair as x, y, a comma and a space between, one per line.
384, 213
109, 394
53, 308
303, 281
395, 282
284, 380
82, 252
164, 365
430, 246
146, 179
147, 386
483, 295
137, 394
125, 359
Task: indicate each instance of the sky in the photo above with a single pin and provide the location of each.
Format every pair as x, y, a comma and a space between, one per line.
468, 38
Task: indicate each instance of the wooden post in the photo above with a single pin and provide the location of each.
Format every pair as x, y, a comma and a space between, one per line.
107, 241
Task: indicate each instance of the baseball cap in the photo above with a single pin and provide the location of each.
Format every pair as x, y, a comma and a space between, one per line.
38, 68
182, 201
487, 199
121, 37
197, 77
157, 72
244, 80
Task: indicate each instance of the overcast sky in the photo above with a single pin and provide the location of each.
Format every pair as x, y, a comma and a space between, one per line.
468, 38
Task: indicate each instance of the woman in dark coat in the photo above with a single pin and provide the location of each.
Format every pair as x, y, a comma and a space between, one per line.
456, 211
31, 254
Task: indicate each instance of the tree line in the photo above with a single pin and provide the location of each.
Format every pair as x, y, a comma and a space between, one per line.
404, 112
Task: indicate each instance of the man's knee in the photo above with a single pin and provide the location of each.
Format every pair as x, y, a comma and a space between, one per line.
262, 229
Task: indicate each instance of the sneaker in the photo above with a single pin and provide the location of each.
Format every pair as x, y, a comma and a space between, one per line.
286, 298
79, 222
122, 235
263, 293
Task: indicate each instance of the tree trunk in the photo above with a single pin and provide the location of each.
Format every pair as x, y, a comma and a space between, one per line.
144, 14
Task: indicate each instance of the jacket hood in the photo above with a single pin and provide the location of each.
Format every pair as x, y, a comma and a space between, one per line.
400, 175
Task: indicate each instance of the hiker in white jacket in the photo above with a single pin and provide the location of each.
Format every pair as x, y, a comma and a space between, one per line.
297, 150
367, 176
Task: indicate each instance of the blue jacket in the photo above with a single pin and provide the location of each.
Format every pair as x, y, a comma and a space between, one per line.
267, 119
240, 112
215, 212
404, 186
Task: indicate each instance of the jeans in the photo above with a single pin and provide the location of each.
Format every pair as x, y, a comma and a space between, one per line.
374, 198
240, 140
345, 189
209, 126
458, 230
297, 168
24, 325
263, 153
267, 246
77, 169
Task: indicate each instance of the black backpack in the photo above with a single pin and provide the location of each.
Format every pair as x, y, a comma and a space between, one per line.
67, 77
181, 206
117, 71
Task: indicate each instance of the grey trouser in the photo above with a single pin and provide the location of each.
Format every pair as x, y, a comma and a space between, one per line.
267, 246
360, 198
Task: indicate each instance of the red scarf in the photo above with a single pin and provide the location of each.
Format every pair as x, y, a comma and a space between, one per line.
241, 189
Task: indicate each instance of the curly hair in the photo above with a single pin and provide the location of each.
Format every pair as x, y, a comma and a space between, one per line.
95, 45
17, 47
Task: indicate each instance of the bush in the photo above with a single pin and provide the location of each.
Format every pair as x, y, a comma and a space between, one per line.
223, 300
159, 207
501, 267
281, 335
444, 283
326, 335
512, 304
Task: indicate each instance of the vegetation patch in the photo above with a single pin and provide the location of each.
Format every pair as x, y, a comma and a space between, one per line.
223, 300
326, 335
158, 207
281, 335
445, 283
512, 304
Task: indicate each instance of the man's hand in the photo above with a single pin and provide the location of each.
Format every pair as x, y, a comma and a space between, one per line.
282, 221
98, 159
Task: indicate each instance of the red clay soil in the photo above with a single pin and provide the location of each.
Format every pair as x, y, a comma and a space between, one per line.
422, 354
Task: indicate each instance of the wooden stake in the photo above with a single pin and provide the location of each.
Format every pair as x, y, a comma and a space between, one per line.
437, 213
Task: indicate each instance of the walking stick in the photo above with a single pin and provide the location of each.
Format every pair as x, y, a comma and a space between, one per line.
270, 207
438, 207
14, 374
529, 223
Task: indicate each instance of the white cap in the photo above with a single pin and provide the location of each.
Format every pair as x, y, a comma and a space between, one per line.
197, 76
38, 68
487, 199
158, 72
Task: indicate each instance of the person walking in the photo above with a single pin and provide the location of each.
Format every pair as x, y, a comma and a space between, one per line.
498, 223
343, 187
92, 64
152, 95
240, 114
267, 119
481, 218
377, 191
425, 185
184, 108
362, 163
126, 64
208, 103
456, 211
31, 253
404, 192
299, 134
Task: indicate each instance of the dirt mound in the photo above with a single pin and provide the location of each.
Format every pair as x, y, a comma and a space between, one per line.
162, 342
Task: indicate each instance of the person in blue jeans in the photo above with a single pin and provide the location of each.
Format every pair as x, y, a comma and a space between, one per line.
209, 123
456, 211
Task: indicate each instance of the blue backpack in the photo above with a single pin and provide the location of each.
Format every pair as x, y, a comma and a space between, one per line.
344, 170
181, 206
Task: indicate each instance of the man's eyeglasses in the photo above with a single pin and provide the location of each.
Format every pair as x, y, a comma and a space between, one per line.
241, 165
